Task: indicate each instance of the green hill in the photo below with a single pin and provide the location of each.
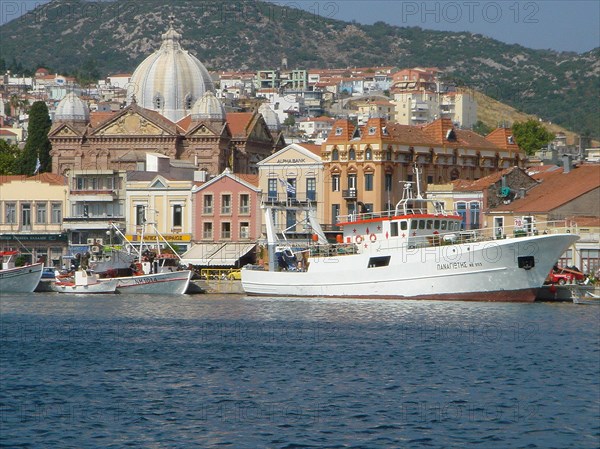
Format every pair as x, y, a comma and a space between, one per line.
98, 38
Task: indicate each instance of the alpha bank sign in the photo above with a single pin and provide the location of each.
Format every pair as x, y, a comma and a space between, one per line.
34, 237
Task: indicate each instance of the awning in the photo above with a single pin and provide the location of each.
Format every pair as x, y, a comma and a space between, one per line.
216, 254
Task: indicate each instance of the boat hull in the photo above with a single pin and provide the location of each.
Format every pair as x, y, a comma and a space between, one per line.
20, 279
481, 271
98, 287
171, 283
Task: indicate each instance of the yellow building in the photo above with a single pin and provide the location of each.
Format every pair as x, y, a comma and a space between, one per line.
365, 166
31, 216
158, 202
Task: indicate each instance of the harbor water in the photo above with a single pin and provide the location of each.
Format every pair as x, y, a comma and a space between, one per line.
212, 371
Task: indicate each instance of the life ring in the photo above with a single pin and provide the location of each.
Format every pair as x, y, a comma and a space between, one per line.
373, 238
359, 239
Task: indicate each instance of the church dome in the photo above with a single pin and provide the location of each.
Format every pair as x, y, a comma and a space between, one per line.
208, 107
170, 80
270, 116
71, 108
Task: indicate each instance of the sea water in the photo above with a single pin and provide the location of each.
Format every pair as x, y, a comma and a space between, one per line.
117, 371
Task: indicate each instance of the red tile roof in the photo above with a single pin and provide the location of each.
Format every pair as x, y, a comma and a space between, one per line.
5, 132
482, 183
239, 122
346, 134
557, 190
96, 118
315, 149
503, 138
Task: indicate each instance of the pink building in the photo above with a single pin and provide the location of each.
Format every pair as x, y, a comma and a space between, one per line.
226, 221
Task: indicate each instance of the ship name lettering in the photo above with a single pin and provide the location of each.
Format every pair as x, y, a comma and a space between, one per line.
451, 265
145, 281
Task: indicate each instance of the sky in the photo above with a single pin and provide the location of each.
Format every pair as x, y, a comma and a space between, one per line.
560, 25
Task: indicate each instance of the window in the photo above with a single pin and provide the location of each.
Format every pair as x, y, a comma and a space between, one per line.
372, 130
225, 230
272, 188
140, 214
352, 182
311, 189
177, 215
244, 230
388, 155
225, 204
10, 216
404, 225
369, 154
207, 230
56, 213
41, 213
335, 183
290, 188
207, 204
26, 216
429, 179
474, 212
244, 203
368, 182
461, 209
335, 213
394, 229
388, 182
339, 131
335, 155
352, 154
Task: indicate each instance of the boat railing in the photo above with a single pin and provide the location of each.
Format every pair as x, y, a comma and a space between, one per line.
351, 218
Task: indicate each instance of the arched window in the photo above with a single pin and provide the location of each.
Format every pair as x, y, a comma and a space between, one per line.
369, 154
352, 154
335, 155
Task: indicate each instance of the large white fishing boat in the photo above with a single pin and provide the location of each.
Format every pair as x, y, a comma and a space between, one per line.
409, 252
18, 279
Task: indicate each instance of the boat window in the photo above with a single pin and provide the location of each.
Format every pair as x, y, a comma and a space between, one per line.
394, 229
444, 224
436, 224
456, 226
381, 261
421, 224
413, 224
429, 224
404, 225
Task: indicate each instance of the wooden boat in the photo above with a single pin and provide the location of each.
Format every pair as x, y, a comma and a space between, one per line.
84, 282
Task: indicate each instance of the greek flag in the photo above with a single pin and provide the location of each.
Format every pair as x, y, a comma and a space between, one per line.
289, 188
37, 166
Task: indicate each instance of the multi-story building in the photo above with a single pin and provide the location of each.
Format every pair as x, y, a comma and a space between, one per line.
293, 177
364, 166
31, 216
158, 202
226, 220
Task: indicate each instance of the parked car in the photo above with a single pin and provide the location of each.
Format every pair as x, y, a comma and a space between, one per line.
564, 276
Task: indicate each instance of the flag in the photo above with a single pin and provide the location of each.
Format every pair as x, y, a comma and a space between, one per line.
289, 188
37, 166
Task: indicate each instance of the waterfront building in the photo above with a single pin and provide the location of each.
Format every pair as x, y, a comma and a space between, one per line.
294, 176
158, 202
564, 198
32, 210
226, 220
471, 198
365, 165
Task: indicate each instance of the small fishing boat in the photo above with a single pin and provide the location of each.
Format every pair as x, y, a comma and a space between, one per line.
84, 282
18, 279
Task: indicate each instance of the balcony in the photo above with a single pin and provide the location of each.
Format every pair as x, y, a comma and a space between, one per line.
91, 222
350, 194
93, 195
282, 199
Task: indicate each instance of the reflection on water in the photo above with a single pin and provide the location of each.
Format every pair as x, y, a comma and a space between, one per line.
232, 371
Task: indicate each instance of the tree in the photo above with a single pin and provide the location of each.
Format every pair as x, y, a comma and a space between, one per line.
531, 136
37, 144
289, 121
8, 157
481, 128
